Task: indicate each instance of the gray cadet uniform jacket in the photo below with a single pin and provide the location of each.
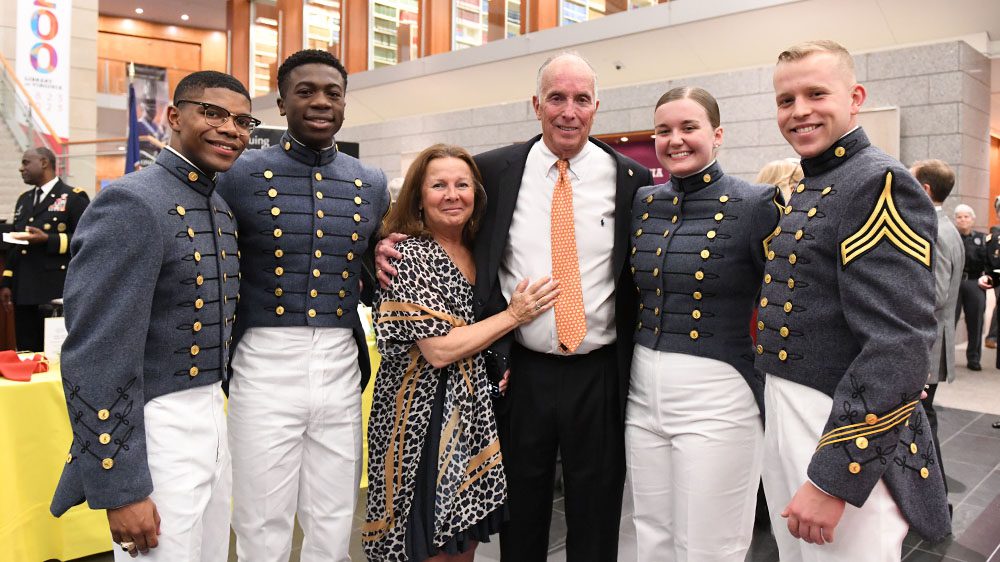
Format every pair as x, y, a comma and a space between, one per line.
847, 308
307, 218
697, 259
150, 301
949, 263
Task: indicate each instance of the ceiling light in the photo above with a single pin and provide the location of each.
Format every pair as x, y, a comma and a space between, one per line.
624, 139
185, 17
122, 148
139, 11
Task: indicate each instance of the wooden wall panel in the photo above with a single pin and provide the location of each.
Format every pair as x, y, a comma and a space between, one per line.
354, 34
147, 50
291, 28
238, 23
436, 20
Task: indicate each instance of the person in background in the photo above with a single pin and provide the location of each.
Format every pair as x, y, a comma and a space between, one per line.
150, 300
785, 174
45, 217
693, 430
971, 299
308, 214
938, 179
991, 336
436, 479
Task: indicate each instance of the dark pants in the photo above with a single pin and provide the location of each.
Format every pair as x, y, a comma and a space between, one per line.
972, 301
928, 404
29, 327
567, 405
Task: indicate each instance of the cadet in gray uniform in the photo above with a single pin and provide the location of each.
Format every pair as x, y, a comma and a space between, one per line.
150, 301
308, 214
845, 322
693, 432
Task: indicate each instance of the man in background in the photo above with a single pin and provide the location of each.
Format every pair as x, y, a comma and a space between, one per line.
45, 217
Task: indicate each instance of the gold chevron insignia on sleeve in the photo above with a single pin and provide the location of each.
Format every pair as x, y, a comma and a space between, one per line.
885, 222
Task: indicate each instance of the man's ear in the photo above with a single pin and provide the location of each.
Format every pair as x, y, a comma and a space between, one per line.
174, 118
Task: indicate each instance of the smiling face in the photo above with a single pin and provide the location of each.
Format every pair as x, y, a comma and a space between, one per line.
566, 105
685, 138
313, 103
447, 196
818, 102
212, 149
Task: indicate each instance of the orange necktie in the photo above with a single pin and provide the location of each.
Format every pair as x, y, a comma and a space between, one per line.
571, 324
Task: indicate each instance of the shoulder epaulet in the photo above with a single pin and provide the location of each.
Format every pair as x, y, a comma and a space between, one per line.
77, 190
885, 223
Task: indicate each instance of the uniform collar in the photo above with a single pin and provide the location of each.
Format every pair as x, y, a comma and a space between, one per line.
699, 180
184, 170
306, 155
840, 152
47, 186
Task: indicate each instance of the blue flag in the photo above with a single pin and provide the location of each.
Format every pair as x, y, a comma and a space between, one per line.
132, 145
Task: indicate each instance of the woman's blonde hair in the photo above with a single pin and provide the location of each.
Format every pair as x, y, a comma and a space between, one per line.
406, 216
785, 174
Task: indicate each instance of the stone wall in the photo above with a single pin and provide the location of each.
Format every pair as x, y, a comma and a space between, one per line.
941, 90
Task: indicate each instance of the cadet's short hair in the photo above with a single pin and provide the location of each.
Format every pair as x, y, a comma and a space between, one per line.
192, 85
802, 50
938, 175
307, 56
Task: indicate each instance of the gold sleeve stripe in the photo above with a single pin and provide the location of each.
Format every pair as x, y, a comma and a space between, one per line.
885, 222
849, 433
8, 273
63, 243
862, 425
395, 306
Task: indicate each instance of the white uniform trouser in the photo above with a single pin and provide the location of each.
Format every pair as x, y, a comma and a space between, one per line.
795, 416
188, 457
693, 441
295, 435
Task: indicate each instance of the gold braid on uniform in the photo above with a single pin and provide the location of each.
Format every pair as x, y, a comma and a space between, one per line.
885, 222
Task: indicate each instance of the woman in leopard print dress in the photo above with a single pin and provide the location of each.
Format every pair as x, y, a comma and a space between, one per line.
436, 485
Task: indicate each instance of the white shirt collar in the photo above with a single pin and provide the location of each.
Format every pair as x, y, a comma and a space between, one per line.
47, 186
549, 156
185, 158
304, 145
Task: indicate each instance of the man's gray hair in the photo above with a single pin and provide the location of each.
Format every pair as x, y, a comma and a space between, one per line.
548, 61
963, 208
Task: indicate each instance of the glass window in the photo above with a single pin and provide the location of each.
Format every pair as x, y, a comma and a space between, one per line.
394, 32
471, 23
322, 26
264, 46
574, 11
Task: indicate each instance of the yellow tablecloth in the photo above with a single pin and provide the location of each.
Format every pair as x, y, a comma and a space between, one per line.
34, 440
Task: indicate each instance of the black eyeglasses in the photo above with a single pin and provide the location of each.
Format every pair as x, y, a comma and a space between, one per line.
217, 116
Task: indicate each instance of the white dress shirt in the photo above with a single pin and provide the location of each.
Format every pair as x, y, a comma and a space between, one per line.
47, 187
528, 254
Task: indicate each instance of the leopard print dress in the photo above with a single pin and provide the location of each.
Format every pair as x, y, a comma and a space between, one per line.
428, 297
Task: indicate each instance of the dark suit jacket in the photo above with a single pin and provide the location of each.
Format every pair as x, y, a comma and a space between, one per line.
36, 273
502, 170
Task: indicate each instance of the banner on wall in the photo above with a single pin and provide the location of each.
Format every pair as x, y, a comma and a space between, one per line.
152, 97
43, 59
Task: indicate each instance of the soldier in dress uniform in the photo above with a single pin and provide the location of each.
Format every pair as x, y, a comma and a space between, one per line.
845, 320
35, 273
693, 432
971, 299
308, 214
991, 278
150, 302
